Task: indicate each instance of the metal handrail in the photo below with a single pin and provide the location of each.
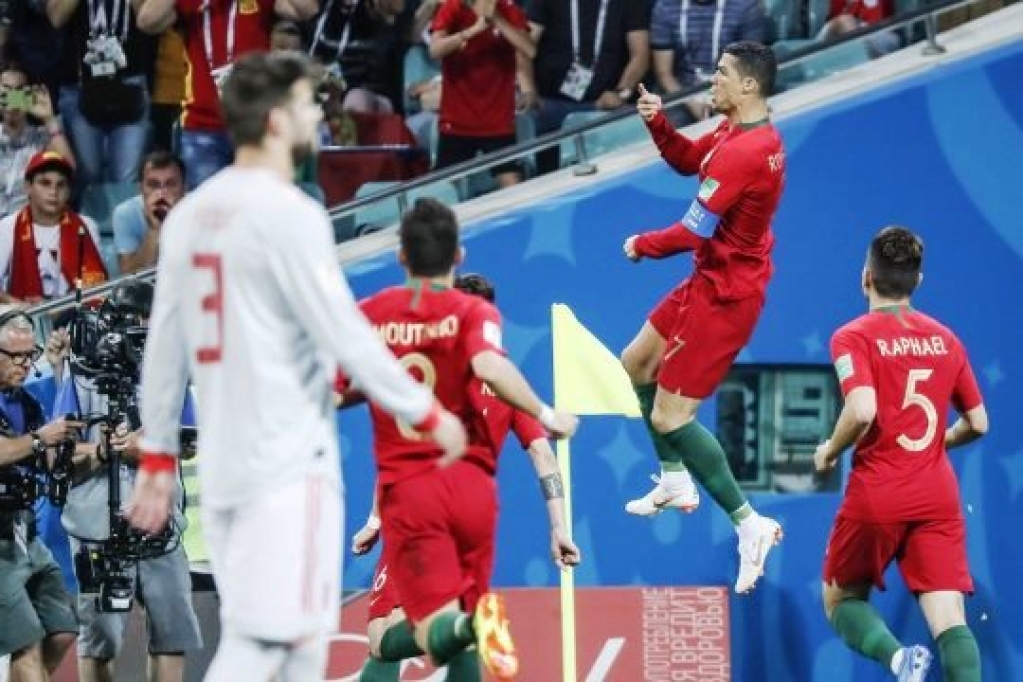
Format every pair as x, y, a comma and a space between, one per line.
576, 132
522, 149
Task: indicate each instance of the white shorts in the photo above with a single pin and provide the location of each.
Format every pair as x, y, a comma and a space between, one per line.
277, 560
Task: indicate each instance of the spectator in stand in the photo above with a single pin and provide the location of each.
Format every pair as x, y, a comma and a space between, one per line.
845, 16
688, 36
423, 95
104, 92
590, 55
215, 34
477, 43
168, 89
359, 41
21, 106
33, 43
138, 220
286, 35
42, 253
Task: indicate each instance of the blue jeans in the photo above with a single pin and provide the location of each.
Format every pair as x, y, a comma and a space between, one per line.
104, 154
204, 153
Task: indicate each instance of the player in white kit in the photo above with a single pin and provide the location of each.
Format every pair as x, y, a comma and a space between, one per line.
251, 303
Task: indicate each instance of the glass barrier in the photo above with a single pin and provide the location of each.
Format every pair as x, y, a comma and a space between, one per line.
378, 205
590, 134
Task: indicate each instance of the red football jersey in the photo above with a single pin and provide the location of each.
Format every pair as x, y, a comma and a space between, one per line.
867, 11
498, 419
478, 95
742, 176
918, 368
435, 333
249, 32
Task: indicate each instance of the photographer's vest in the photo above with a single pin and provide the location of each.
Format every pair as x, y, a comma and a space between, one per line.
31, 417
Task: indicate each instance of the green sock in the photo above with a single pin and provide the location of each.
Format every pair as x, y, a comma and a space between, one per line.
464, 667
449, 634
861, 627
707, 463
375, 670
960, 657
398, 643
669, 458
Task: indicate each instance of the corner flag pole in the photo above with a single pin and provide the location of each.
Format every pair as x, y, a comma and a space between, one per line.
588, 380
567, 587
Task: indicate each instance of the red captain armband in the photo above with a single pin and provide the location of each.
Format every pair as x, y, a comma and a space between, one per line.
430, 421
157, 462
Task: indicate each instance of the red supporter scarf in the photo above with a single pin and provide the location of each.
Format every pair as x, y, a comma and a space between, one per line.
26, 282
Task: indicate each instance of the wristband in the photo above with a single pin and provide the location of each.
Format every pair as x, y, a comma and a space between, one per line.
546, 417
430, 421
373, 522
157, 462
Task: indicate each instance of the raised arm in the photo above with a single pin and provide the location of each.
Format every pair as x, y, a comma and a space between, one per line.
296, 10
154, 16
678, 151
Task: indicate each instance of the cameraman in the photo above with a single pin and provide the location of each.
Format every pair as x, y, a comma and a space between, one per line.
162, 584
37, 622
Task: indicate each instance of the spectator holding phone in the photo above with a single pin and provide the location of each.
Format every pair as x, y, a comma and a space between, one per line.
28, 126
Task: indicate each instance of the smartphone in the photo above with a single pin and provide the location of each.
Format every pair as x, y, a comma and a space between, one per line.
18, 98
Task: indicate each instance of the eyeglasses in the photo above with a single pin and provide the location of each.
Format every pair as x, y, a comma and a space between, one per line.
25, 357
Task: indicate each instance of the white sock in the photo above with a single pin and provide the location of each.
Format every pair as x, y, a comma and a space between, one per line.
242, 658
675, 482
748, 523
897, 661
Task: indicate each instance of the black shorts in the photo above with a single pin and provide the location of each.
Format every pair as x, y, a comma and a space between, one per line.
452, 149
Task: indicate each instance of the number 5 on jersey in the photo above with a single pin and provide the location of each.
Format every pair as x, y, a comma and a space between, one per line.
212, 305
914, 397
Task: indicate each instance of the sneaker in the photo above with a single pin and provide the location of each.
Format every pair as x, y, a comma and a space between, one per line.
686, 499
493, 638
916, 661
757, 536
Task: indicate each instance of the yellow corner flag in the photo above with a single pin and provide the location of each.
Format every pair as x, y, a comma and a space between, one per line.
588, 379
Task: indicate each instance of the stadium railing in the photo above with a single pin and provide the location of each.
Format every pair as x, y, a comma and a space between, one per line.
919, 25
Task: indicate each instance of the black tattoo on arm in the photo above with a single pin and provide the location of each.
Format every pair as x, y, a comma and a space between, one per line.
552, 487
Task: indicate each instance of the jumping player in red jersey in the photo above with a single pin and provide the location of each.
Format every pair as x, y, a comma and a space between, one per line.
386, 652
686, 347
900, 370
440, 521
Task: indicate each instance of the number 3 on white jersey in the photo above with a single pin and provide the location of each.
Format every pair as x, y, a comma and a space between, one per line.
427, 375
912, 397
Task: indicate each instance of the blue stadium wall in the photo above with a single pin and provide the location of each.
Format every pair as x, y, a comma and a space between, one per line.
939, 153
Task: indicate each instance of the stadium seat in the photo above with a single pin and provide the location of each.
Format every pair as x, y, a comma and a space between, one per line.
418, 67
98, 202
817, 11
387, 212
836, 58
600, 140
785, 14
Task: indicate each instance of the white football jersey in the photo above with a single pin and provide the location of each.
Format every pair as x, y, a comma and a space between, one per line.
251, 303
